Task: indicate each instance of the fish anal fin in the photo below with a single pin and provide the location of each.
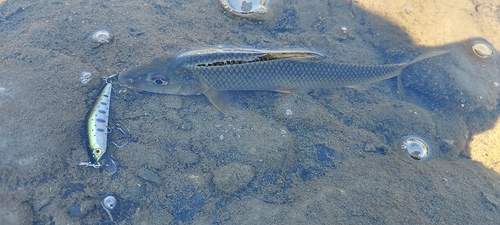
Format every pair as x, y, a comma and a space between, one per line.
360, 87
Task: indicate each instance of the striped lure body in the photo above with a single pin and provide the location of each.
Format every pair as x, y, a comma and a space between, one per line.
97, 125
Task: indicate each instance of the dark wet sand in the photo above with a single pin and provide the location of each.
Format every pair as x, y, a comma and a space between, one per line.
336, 159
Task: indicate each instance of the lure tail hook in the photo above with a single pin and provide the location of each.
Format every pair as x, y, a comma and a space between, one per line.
90, 164
125, 132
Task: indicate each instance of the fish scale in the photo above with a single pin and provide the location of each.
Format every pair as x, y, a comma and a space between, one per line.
269, 75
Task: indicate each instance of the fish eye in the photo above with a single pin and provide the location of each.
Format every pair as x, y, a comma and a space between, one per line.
160, 81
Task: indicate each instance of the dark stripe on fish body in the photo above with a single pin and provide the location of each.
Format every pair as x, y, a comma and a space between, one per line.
265, 57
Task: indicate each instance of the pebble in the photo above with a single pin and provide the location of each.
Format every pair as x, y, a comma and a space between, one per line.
232, 177
148, 175
185, 157
12, 211
109, 202
482, 50
40, 203
102, 36
85, 76
416, 147
248, 8
75, 210
409, 9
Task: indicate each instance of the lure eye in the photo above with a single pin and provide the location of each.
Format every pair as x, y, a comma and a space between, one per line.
160, 81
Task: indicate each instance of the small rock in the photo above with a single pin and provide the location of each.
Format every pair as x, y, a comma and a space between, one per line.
232, 177
149, 176
39, 204
12, 211
75, 210
185, 157
409, 9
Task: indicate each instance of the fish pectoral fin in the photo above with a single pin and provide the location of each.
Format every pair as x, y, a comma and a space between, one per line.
214, 98
289, 91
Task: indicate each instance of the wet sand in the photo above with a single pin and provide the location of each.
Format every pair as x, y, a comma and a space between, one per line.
335, 159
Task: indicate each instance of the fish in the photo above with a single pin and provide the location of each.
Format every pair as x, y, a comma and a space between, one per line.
211, 71
97, 131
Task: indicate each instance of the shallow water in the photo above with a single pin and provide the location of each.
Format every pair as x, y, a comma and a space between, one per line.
335, 157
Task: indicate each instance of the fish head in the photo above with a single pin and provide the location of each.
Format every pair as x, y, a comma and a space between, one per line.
164, 76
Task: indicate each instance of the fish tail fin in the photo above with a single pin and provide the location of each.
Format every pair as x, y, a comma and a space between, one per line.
426, 56
418, 59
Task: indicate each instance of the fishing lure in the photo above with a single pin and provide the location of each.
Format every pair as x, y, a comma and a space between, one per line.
97, 131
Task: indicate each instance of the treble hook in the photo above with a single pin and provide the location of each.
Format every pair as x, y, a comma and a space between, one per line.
125, 134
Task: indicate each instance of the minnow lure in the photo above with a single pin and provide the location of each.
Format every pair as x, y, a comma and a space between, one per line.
210, 71
97, 131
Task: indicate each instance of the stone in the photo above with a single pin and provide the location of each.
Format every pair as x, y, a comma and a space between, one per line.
232, 177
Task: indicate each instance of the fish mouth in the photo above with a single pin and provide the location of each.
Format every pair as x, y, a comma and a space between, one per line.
126, 79
144, 83
123, 79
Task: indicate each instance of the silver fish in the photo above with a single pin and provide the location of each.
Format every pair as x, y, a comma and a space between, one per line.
210, 71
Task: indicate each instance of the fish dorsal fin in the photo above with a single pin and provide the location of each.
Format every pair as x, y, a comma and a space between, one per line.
289, 91
298, 56
263, 56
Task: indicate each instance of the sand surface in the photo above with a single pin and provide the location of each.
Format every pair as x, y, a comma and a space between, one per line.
337, 159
